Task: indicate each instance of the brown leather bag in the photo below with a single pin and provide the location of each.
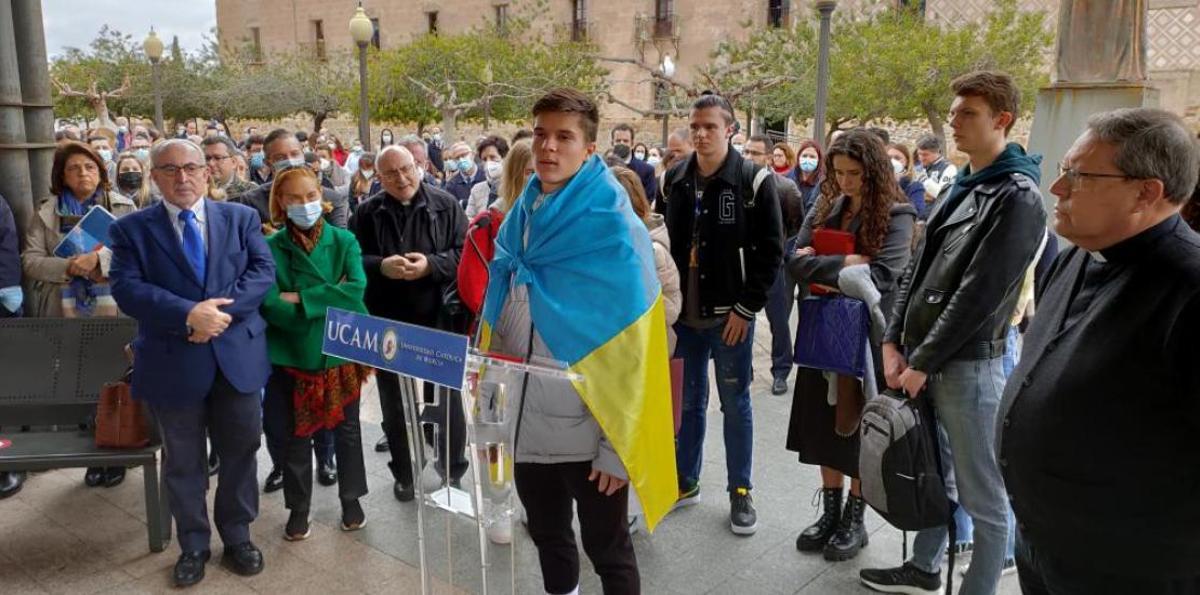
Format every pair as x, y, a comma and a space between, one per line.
120, 420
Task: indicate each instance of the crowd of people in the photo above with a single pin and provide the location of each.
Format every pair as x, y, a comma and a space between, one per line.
1060, 379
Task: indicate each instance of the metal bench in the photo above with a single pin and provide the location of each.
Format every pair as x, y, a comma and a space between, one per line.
51, 373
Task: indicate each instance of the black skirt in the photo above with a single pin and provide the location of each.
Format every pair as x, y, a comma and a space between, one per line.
810, 429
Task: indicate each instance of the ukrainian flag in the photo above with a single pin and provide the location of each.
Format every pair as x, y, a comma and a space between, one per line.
597, 304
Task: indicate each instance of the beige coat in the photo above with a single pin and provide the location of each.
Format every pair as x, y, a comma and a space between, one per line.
668, 275
47, 273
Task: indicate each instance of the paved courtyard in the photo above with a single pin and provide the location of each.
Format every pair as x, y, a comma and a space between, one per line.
58, 536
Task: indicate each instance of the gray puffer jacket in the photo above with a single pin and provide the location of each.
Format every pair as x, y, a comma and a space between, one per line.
555, 426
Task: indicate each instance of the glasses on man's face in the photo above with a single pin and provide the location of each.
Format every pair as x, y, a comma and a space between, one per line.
394, 174
753, 152
1075, 178
212, 158
191, 169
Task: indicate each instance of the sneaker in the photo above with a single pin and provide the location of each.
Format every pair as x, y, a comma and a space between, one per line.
297, 528
779, 387
688, 497
905, 579
1010, 567
742, 518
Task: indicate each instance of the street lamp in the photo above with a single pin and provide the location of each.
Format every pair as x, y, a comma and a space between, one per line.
667, 68
487, 99
361, 30
825, 7
153, 47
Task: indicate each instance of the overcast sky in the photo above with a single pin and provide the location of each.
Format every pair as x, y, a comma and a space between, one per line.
75, 23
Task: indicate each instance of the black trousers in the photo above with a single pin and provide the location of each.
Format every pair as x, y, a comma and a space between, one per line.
394, 428
547, 492
233, 421
298, 461
1043, 574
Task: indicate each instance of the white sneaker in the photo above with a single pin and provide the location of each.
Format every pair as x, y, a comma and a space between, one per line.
500, 532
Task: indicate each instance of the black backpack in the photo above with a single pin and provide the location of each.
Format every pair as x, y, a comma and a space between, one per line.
899, 465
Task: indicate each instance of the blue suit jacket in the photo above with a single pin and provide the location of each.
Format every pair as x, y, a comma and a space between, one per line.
645, 173
152, 282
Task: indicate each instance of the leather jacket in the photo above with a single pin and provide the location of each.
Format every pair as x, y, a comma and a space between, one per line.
958, 293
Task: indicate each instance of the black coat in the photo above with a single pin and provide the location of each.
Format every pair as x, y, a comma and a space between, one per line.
953, 303
437, 229
1097, 431
741, 249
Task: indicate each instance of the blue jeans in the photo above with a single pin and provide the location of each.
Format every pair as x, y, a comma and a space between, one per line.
781, 299
966, 394
734, 372
964, 529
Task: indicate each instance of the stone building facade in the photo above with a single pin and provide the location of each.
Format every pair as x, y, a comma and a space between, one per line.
648, 30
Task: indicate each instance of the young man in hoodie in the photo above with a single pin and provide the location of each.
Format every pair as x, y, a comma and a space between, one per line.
946, 338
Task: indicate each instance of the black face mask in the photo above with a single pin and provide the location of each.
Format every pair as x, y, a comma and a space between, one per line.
130, 180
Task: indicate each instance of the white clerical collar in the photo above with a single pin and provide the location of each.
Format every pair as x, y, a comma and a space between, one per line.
1098, 256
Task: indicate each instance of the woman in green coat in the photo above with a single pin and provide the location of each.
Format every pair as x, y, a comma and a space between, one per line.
317, 266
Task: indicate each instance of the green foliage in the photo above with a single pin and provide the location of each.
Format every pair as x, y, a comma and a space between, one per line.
449, 77
886, 63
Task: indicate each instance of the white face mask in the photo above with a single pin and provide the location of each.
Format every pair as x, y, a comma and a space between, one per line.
367, 173
493, 168
738, 147
639, 155
325, 164
897, 166
653, 160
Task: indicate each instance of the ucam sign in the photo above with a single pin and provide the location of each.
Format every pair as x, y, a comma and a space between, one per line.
430, 355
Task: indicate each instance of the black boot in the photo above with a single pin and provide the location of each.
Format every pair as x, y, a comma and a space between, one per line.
813, 538
851, 535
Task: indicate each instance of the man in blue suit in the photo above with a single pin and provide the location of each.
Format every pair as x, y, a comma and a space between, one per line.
622, 134
193, 272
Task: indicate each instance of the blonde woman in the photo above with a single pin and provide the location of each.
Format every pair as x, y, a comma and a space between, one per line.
132, 179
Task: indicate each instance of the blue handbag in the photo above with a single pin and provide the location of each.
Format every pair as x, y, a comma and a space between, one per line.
832, 334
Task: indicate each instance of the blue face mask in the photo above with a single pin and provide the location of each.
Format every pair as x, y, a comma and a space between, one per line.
105, 154
465, 164
808, 165
257, 160
305, 215
141, 154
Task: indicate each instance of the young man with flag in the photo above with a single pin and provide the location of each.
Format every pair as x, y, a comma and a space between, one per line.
573, 280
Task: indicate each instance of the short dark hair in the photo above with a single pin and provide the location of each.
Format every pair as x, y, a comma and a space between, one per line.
521, 135
277, 134
709, 100
220, 140
301, 136
500, 144
571, 101
255, 139
929, 142
65, 152
761, 138
998, 89
883, 135
622, 126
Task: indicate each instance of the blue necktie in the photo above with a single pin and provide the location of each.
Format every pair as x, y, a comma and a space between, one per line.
193, 244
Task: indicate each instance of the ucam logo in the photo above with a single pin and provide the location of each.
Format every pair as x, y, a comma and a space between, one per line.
390, 344
353, 336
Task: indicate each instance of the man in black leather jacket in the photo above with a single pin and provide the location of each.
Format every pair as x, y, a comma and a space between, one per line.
946, 336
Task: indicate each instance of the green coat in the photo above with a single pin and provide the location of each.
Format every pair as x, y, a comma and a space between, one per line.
331, 277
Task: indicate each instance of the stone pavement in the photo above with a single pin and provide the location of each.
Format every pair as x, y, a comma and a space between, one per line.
58, 536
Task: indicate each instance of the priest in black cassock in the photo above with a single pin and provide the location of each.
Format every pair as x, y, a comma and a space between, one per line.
1099, 428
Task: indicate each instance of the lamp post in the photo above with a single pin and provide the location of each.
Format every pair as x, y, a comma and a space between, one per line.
668, 70
361, 30
487, 99
153, 47
825, 7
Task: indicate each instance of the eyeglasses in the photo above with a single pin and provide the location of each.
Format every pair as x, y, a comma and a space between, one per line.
211, 158
394, 174
1075, 177
190, 169
753, 152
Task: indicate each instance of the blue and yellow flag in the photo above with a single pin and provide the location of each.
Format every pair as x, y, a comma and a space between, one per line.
597, 304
